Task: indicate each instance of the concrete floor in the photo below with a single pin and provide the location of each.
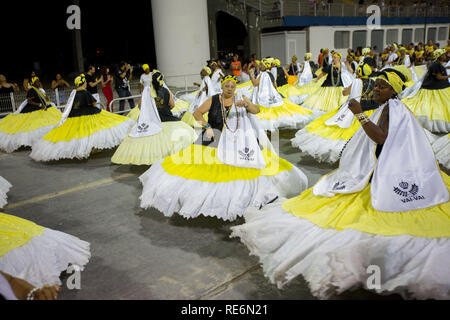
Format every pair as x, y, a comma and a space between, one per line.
139, 254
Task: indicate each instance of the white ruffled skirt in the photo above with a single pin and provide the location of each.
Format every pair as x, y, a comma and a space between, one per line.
4, 189
41, 260
185, 191
441, 148
333, 261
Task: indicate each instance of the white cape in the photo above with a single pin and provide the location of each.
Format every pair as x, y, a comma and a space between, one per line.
202, 96
406, 175
344, 117
265, 93
306, 77
149, 122
238, 146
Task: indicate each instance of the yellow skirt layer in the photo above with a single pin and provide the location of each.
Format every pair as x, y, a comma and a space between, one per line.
174, 137
200, 163
319, 128
16, 232
26, 122
288, 109
432, 104
325, 99
355, 211
180, 106
134, 113
189, 119
293, 90
84, 126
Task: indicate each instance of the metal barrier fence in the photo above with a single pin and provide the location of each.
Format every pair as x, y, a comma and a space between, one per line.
10, 102
276, 10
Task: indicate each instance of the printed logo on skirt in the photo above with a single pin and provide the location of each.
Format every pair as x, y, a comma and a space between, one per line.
408, 192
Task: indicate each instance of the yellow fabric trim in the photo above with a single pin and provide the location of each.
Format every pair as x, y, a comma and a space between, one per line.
319, 128
286, 110
84, 126
26, 122
16, 232
326, 99
355, 211
200, 163
189, 119
432, 104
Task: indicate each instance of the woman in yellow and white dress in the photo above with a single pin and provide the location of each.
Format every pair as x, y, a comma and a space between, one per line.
325, 137
329, 96
441, 148
36, 254
34, 118
430, 104
275, 111
385, 210
180, 107
4, 188
205, 92
157, 134
231, 167
304, 86
83, 128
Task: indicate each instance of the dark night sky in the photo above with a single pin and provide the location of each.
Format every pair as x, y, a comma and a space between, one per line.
37, 32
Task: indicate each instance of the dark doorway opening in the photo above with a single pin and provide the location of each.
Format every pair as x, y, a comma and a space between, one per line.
232, 36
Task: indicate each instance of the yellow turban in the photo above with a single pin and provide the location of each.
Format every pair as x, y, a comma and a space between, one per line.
437, 53
364, 70
267, 63
366, 51
80, 80
401, 49
258, 62
33, 80
396, 77
337, 54
229, 78
207, 69
277, 62
145, 67
308, 56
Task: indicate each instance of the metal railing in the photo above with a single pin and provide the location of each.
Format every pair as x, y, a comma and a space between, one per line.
276, 10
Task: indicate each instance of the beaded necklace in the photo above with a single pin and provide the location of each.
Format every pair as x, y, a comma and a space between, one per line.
226, 115
335, 81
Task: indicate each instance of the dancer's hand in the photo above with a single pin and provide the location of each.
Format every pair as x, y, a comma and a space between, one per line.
355, 106
210, 133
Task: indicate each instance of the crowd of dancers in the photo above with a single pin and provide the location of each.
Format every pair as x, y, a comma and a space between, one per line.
387, 204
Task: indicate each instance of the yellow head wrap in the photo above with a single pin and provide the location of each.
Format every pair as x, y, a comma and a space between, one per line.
337, 54
277, 62
145, 67
33, 80
207, 69
308, 56
396, 77
364, 70
437, 53
80, 80
229, 78
258, 62
395, 46
267, 63
401, 49
366, 51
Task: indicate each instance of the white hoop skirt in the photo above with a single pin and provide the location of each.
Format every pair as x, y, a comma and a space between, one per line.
193, 187
38, 255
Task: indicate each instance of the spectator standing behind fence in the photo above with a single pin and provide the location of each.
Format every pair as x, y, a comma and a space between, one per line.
123, 76
5, 89
60, 84
107, 80
92, 82
236, 67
